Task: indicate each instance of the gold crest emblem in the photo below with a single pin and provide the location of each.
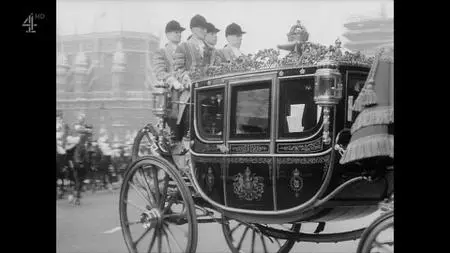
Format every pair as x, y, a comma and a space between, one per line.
296, 182
248, 186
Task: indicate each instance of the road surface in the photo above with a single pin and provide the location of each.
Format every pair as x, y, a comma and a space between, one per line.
94, 227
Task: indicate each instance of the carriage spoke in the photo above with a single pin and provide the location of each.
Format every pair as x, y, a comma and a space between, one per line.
156, 186
278, 241
136, 206
134, 222
148, 137
242, 238
253, 242
150, 247
160, 240
167, 240
263, 240
143, 235
147, 179
142, 177
234, 229
389, 243
173, 239
140, 193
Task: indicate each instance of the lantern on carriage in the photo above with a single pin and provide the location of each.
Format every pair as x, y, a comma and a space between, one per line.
159, 94
327, 90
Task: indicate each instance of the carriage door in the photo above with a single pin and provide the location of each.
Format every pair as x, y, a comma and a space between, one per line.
249, 170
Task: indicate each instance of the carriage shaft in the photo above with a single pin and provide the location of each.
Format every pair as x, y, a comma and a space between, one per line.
318, 238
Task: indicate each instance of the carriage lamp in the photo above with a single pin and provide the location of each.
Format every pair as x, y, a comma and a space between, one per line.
159, 94
327, 91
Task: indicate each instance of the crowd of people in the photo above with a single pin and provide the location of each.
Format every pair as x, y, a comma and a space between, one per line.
82, 162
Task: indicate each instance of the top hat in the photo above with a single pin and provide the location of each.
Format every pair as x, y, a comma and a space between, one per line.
233, 29
210, 28
174, 26
198, 21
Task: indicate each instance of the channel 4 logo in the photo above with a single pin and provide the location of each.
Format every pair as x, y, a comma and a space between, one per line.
30, 22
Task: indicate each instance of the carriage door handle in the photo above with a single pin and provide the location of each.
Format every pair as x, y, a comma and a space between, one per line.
338, 147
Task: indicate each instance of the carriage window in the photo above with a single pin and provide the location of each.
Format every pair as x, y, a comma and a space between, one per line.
355, 83
299, 115
250, 111
210, 113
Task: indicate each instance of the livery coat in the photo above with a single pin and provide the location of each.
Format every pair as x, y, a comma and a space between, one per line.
227, 54
187, 56
163, 61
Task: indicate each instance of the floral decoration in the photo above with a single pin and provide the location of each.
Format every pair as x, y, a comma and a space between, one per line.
309, 55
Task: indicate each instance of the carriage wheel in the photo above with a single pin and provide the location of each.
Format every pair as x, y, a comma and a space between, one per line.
142, 145
157, 219
379, 236
236, 232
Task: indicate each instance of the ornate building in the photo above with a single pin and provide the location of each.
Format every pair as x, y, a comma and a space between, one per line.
370, 33
108, 76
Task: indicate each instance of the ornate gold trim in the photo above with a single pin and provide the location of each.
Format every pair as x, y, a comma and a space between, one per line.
251, 160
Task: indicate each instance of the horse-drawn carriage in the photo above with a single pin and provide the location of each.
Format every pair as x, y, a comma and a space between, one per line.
274, 143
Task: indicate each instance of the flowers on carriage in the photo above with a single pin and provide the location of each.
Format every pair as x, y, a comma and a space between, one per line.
309, 55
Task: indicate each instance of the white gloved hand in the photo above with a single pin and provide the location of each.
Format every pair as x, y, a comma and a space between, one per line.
173, 83
186, 81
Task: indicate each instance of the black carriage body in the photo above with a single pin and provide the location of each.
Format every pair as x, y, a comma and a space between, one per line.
251, 158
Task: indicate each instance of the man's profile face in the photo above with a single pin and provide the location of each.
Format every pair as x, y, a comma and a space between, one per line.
235, 40
200, 32
211, 38
174, 37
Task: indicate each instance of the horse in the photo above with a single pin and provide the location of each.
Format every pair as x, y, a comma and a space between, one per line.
101, 160
81, 164
62, 173
64, 153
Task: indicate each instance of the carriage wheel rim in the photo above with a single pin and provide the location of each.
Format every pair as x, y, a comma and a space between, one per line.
252, 232
369, 238
156, 217
138, 146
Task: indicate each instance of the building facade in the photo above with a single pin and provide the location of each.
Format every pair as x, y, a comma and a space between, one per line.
369, 34
107, 76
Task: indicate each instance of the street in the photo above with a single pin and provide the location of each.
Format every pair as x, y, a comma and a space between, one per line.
94, 227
